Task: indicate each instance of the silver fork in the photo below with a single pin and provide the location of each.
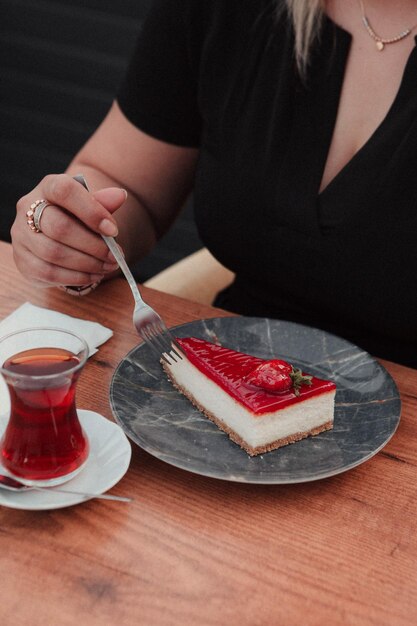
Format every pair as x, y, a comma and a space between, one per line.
148, 323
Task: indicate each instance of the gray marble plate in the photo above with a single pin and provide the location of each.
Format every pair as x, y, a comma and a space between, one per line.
163, 422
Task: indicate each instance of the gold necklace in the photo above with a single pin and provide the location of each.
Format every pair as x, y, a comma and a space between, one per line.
379, 41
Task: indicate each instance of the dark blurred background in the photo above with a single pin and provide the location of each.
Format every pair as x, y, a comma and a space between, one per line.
61, 64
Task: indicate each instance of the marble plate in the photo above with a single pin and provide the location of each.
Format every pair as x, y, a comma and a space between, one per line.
165, 424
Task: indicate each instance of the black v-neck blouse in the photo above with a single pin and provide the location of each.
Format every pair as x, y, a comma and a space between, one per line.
220, 76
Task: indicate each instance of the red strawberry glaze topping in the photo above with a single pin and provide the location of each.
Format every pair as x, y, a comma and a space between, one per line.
232, 371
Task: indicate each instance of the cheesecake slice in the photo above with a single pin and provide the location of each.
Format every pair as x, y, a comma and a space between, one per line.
261, 404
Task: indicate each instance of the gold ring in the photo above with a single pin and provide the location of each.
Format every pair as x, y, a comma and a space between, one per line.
34, 214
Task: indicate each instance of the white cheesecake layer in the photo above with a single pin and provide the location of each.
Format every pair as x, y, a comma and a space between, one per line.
254, 430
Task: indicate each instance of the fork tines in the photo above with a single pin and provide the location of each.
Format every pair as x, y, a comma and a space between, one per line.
161, 340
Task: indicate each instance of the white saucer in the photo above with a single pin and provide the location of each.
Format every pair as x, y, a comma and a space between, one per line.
108, 461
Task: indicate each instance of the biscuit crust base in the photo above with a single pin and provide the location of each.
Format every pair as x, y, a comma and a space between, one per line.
273, 445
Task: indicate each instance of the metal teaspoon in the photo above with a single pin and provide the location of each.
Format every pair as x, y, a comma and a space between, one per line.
11, 484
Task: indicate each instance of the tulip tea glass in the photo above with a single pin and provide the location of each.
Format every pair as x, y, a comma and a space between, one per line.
44, 443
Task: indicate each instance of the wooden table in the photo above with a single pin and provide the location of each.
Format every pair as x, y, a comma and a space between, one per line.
191, 550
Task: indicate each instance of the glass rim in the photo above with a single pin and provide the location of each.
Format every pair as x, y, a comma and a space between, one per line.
5, 372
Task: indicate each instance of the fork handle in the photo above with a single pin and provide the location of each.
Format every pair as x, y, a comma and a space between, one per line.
114, 248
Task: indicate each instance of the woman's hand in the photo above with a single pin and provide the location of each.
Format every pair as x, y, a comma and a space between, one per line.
69, 249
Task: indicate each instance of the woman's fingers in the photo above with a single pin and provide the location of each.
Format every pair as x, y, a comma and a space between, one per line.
111, 198
48, 274
61, 227
62, 255
65, 192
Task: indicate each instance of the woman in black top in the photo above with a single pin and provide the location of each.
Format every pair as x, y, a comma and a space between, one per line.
301, 150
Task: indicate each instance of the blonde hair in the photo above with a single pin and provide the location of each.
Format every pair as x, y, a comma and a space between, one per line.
306, 17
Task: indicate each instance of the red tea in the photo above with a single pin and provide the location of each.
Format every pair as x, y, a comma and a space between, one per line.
43, 439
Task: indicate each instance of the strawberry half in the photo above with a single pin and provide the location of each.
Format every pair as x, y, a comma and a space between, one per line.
278, 376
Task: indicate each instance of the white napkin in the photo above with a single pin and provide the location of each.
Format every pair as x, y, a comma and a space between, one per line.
30, 316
